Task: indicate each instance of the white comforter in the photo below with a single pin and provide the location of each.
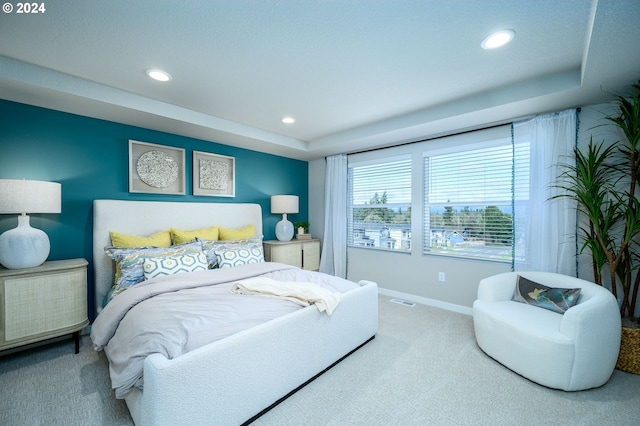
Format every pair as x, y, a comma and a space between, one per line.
176, 314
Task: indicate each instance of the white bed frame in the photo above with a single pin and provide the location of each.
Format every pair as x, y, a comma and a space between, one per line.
234, 380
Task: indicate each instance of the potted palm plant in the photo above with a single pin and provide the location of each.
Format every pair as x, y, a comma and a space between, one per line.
604, 183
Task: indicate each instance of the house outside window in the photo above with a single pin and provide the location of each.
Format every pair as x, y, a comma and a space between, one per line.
379, 204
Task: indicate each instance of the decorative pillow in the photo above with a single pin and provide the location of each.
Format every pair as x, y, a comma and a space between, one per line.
554, 299
179, 236
118, 239
211, 247
130, 261
227, 258
170, 265
230, 234
160, 239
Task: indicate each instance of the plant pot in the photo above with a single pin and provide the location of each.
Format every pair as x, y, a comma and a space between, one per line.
629, 357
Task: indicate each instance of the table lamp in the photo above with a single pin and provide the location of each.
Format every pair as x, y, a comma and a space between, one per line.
284, 204
24, 246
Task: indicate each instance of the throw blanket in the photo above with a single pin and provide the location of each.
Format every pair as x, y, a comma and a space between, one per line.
302, 293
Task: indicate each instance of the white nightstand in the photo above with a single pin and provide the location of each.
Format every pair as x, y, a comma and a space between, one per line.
304, 254
40, 303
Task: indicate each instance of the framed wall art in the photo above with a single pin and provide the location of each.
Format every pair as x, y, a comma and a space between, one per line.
214, 175
156, 169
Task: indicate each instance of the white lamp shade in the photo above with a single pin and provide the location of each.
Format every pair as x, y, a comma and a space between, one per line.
284, 204
29, 196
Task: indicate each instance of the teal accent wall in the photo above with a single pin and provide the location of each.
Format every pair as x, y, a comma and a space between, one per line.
90, 158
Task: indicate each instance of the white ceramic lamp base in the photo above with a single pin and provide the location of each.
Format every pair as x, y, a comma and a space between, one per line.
284, 229
23, 246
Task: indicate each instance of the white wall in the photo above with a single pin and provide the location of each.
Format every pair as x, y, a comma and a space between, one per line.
317, 171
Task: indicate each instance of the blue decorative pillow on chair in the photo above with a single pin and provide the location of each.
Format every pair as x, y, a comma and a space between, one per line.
554, 299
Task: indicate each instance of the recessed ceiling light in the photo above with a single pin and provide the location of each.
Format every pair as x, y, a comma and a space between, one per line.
288, 120
498, 39
159, 75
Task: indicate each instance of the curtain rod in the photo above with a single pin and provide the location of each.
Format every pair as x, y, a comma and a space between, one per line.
498, 124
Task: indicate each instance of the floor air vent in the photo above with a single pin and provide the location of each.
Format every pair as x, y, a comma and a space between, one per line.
403, 302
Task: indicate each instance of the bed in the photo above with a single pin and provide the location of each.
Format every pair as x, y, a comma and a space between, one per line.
236, 379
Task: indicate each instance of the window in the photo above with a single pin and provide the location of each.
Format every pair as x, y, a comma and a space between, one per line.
379, 204
466, 188
468, 200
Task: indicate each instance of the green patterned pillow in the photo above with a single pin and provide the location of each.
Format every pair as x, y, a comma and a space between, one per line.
554, 299
171, 265
227, 258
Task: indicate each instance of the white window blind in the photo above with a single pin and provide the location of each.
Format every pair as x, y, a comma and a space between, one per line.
379, 204
468, 199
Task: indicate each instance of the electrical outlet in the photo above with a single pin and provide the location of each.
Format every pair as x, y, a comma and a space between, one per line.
441, 276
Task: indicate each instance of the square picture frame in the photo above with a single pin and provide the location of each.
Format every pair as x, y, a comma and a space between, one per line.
156, 169
214, 175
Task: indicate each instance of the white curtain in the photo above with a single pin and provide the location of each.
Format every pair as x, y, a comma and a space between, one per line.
334, 244
545, 228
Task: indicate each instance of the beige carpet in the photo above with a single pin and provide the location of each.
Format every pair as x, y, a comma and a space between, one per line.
423, 368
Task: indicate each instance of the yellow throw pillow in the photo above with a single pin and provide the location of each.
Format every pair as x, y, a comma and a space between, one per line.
160, 239
179, 236
226, 234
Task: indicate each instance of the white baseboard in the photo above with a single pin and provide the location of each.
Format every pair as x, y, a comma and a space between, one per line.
426, 301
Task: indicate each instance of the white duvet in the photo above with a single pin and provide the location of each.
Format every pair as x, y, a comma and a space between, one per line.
179, 313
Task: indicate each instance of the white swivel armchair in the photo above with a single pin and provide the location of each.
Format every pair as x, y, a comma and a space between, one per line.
574, 351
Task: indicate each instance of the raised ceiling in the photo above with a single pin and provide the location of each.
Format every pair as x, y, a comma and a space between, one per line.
354, 74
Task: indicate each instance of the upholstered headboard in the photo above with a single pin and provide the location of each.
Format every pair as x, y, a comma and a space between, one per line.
147, 217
